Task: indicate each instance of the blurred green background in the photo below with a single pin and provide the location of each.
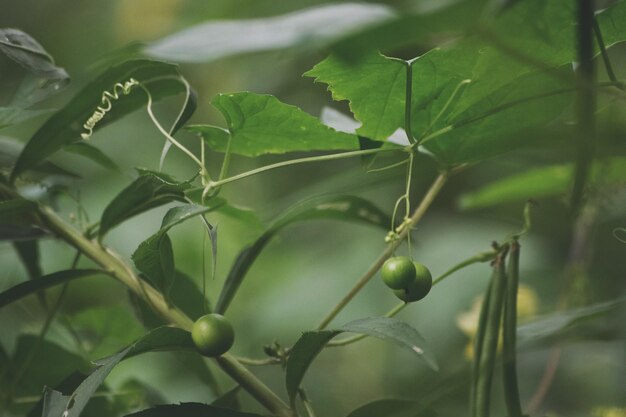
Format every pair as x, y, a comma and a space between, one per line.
310, 266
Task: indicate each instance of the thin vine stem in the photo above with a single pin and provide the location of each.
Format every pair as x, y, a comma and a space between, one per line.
216, 184
419, 212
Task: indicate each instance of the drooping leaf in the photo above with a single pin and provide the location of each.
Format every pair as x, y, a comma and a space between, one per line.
347, 208
304, 29
9, 152
93, 153
66, 125
261, 124
190, 410
18, 220
601, 321
161, 339
148, 191
30, 287
540, 183
28, 252
98, 407
41, 362
155, 256
14, 115
393, 407
311, 344
26, 51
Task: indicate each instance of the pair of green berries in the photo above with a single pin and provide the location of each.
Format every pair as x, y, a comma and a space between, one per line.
410, 281
213, 335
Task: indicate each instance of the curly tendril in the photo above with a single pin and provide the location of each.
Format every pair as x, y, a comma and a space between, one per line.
107, 104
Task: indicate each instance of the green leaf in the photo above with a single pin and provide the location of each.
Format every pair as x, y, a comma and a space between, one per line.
375, 88
18, 220
155, 256
261, 124
311, 344
14, 115
161, 339
26, 51
601, 321
43, 363
301, 30
30, 287
148, 191
184, 294
28, 252
94, 154
346, 208
190, 410
66, 125
508, 94
540, 183
229, 399
393, 407
10, 150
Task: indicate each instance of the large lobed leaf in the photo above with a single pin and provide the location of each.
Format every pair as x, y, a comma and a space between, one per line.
261, 124
518, 73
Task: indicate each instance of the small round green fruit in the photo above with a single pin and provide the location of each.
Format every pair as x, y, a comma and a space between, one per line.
398, 272
419, 288
213, 335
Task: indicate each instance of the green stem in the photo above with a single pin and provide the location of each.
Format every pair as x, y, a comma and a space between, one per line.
306, 402
488, 351
408, 97
605, 54
481, 257
419, 212
586, 103
511, 389
112, 263
219, 183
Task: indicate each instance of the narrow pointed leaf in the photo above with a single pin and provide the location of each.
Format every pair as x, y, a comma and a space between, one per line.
94, 154
310, 345
190, 410
66, 125
392, 407
30, 287
161, 339
148, 191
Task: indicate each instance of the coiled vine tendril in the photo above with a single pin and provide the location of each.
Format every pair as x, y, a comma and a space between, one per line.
107, 104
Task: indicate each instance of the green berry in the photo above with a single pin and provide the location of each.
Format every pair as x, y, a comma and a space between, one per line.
213, 335
398, 272
419, 288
